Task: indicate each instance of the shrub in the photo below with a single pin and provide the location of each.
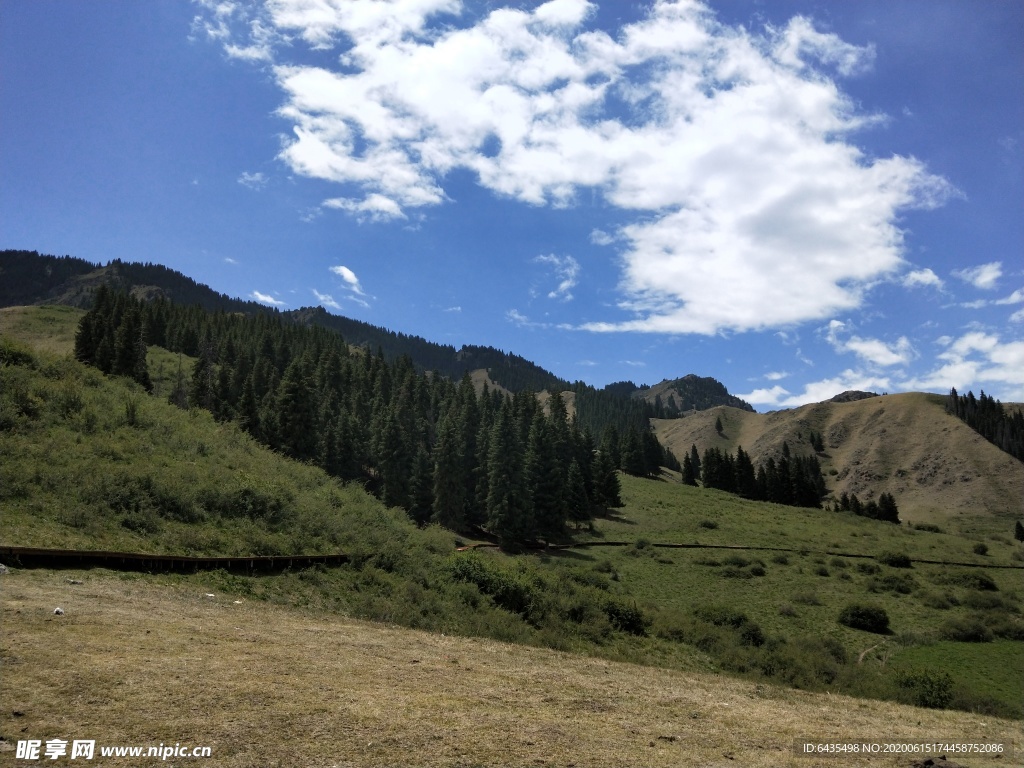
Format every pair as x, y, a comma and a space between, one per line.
898, 583
974, 579
870, 618
787, 610
926, 688
940, 602
981, 549
709, 524
969, 630
927, 527
868, 568
780, 560
627, 618
894, 559
821, 570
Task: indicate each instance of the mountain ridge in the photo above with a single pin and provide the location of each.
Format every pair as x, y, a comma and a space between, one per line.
31, 278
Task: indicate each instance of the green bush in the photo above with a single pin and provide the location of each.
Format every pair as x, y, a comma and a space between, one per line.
894, 559
981, 549
870, 618
627, 618
966, 630
926, 687
898, 583
973, 579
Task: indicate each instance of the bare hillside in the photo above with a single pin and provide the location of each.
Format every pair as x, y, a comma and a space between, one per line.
938, 468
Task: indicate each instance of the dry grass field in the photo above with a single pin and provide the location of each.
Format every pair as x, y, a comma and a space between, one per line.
144, 660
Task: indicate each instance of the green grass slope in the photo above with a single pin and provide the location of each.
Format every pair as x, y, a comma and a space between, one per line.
939, 470
92, 462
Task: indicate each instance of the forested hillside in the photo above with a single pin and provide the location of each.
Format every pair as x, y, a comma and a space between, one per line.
421, 442
987, 416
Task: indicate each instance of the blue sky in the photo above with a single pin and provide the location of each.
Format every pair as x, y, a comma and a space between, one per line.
797, 198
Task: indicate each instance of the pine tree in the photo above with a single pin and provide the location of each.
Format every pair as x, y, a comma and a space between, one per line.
296, 413
887, 509
607, 488
544, 478
1018, 531
508, 502
577, 503
451, 481
689, 476
422, 493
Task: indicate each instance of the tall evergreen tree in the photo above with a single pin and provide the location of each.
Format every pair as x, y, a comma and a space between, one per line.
508, 500
452, 482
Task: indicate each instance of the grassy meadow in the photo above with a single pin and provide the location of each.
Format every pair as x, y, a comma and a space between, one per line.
92, 462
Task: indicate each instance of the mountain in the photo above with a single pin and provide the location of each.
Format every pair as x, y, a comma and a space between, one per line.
692, 393
939, 470
28, 277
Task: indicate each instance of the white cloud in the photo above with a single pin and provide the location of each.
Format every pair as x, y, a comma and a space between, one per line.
265, 298
920, 277
326, 299
752, 208
977, 360
517, 317
1017, 316
600, 237
817, 391
1014, 298
873, 351
776, 375
452, 309
351, 281
567, 271
373, 208
255, 181
984, 276
229, 260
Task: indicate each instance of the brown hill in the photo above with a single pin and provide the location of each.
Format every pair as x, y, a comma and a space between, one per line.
939, 469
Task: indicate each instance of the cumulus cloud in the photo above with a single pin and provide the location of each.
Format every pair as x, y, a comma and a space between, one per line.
817, 391
984, 276
977, 359
600, 237
752, 207
567, 272
873, 351
921, 277
266, 298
